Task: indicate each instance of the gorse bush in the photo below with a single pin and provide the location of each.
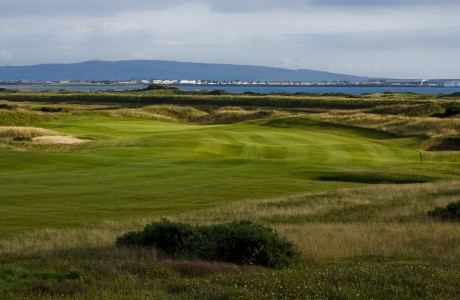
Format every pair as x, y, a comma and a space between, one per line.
244, 243
451, 110
169, 237
240, 242
449, 213
50, 109
6, 106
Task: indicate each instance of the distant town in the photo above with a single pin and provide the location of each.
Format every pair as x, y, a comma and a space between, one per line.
192, 82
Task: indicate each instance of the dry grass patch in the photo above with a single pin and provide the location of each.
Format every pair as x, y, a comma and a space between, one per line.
384, 203
326, 242
53, 239
11, 132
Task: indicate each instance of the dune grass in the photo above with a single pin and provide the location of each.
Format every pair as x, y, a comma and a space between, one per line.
401, 125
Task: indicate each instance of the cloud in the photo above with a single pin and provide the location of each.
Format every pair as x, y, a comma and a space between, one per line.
110, 7
384, 2
81, 7
384, 38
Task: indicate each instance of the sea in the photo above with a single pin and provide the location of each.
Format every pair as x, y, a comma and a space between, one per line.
262, 89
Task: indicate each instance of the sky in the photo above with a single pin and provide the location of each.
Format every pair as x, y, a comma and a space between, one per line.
392, 38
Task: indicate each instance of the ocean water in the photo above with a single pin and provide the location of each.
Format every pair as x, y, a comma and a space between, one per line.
253, 89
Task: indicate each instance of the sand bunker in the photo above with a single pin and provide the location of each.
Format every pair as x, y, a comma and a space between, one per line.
58, 139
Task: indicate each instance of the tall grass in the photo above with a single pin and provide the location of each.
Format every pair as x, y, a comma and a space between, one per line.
31, 132
386, 220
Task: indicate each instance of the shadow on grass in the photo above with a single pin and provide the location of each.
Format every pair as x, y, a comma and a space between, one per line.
373, 177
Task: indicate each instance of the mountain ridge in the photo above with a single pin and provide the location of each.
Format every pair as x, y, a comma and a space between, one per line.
164, 69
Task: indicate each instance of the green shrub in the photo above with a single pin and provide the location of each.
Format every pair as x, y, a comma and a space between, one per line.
452, 110
218, 92
50, 109
240, 242
244, 243
6, 106
21, 138
449, 213
158, 87
169, 237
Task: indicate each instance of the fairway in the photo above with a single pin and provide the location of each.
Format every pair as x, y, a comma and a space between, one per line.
134, 168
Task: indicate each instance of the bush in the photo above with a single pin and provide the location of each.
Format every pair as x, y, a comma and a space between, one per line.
451, 110
21, 138
159, 87
449, 213
6, 106
240, 242
50, 109
169, 237
244, 243
218, 92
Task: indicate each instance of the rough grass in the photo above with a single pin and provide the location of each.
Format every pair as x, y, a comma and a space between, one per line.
10, 132
396, 124
391, 251
407, 109
379, 220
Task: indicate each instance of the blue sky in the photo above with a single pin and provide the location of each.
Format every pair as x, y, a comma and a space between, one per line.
400, 39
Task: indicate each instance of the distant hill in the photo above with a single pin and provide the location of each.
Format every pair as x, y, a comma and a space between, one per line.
158, 69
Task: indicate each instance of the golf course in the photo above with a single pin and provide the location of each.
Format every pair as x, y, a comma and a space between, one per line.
348, 179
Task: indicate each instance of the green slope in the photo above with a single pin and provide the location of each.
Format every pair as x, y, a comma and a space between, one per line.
137, 168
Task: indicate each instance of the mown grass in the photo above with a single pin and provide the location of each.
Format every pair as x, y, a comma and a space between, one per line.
353, 200
177, 167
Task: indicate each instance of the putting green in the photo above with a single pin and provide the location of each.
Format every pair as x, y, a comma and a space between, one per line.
137, 168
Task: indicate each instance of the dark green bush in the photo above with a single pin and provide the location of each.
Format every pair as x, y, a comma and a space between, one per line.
169, 237
6, 106
21, 138
244, 243
158, 87
240, 242
452, 110
449, 213
50, 109
218, 92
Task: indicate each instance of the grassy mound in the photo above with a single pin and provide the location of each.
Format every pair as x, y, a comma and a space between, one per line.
412, 110
242, 242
